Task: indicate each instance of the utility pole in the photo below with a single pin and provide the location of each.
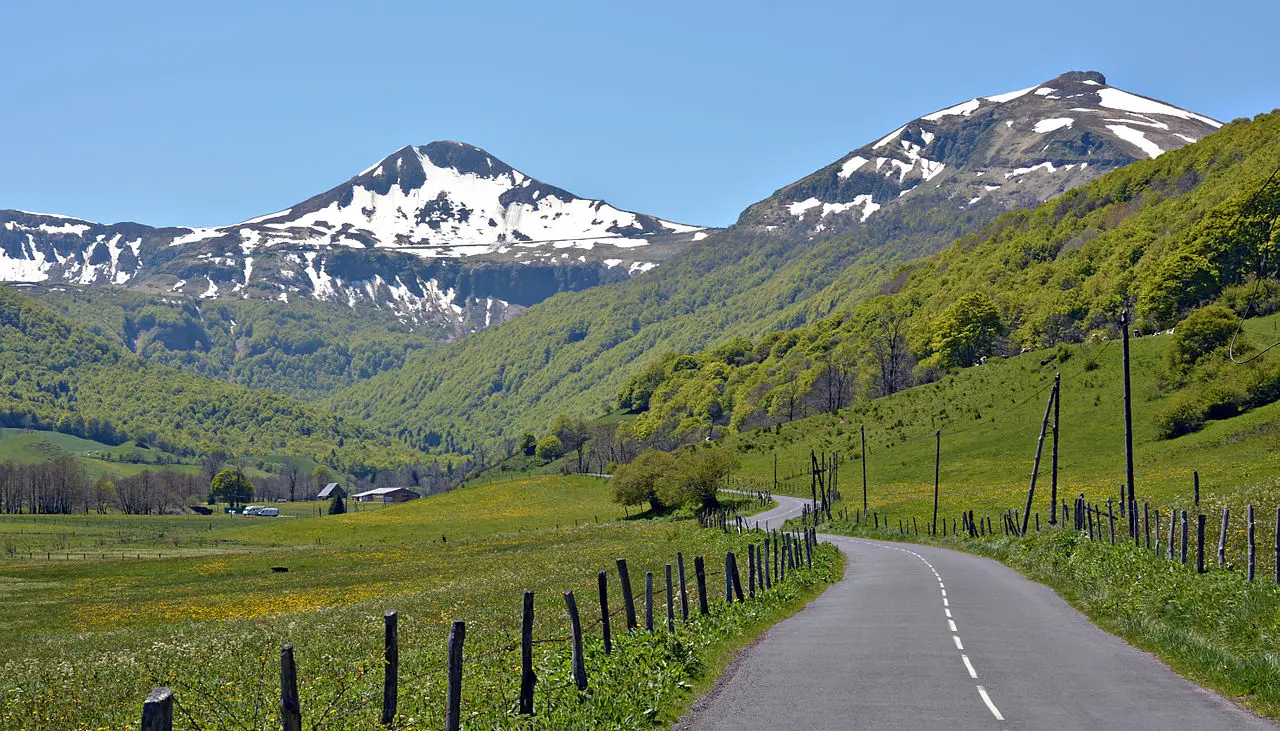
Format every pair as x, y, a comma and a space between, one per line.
1035, 471
864, 469
1128, 417
937, 465
1053, 484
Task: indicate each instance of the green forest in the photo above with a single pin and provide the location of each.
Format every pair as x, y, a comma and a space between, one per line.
303, 348
1160, 238
56, 375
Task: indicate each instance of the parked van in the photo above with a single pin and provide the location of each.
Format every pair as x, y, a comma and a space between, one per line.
252, 510
269, 512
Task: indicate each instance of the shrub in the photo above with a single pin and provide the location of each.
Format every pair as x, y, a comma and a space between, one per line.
1186, 414
549, 448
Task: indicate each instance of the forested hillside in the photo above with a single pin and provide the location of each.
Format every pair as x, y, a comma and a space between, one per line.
1160, 237
575, 351
302, 348
58, 375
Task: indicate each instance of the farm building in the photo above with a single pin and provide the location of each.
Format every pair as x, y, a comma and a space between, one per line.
387, 495
330, 491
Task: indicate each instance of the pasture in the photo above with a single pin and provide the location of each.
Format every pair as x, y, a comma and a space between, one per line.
86, 641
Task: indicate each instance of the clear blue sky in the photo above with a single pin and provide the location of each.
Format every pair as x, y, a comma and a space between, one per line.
159, 113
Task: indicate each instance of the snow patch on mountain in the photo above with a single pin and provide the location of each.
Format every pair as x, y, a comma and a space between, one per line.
1049, 125
1136, 138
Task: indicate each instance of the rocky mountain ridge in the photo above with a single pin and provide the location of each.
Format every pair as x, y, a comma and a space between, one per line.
443, 235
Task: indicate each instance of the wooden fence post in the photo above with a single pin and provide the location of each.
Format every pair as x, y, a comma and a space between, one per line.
290, 707
671, 603
765, 582
1222, 538
527, 677
1111, 521
700, 574
648, 601
1173, 523
602, 579
1184, 538
628, 599
1200, 518
453, 697
684, 593
1278, 545
751, 570
579, 666
737, 577
728, 578
391, 665
1146, 523
1252, 554
157, 710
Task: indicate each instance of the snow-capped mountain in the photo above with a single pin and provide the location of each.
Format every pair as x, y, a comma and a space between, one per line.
442, 234
1000, 152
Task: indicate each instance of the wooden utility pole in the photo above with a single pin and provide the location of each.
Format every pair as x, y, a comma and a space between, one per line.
1035, 470
1128, 416
864, 469
1053, 484
937, 466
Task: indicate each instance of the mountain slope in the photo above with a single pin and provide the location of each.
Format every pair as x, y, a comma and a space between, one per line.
785, 262
442, 236
59, 375
1161, 238
302, 348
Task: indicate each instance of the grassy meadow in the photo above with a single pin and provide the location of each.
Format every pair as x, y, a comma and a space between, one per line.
86, 640
990, 418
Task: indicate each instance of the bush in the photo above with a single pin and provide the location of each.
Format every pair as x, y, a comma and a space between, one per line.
549, 448
1186, 414
1203, 332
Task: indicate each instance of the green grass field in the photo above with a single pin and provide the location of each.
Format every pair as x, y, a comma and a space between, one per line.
990, 419
86, 641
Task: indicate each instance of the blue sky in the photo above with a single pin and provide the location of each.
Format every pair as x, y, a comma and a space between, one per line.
164, 114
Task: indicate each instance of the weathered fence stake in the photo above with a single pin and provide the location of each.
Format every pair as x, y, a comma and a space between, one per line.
751, 570
575, 626
290, 707
602, 580
1200, 519
937, 467
453, 697
648, 601
527, 677
684, 593
700, 573
1146, 523
628, 598
737, 576
1252, 554
1173, 523
671, 603
1111, 521
1222, 538
157, 710
1184, 538
391, 666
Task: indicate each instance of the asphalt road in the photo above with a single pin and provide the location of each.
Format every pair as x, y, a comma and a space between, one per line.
917, 637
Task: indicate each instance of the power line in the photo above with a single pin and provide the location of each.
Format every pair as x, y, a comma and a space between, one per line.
1262, 269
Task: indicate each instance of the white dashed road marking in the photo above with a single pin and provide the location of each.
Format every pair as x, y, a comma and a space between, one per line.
955, 637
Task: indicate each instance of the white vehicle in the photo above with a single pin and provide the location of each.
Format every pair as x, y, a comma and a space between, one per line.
268, 512
253, 509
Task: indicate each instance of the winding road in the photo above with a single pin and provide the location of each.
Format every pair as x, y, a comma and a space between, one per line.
918, 637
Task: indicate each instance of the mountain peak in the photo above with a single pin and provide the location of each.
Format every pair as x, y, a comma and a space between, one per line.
1078, 77
999, 152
